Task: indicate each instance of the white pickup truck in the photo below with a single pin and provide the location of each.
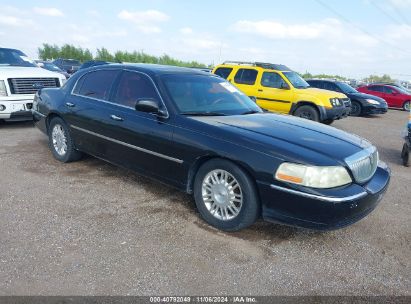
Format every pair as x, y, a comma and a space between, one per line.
20, 79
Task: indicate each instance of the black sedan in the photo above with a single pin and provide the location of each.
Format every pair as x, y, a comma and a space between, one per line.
361, 104
197, 132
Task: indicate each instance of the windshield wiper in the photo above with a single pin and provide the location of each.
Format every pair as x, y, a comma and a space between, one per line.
203, 114
251, 112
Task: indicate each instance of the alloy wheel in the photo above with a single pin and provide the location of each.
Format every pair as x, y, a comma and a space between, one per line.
59, 140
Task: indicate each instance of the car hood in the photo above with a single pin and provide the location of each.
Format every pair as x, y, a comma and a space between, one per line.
365, 96
290, 135
23, 72
325, 93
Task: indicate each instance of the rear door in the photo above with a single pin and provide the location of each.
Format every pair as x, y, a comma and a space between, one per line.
274, 93
394, 96
245, 79
87, 110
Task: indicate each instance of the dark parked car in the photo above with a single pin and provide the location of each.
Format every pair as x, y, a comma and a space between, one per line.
91, 63
395, 96
361, 104
68, 65
197, 132
48, 65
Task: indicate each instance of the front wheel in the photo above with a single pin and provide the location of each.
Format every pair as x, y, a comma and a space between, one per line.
307, 112
60, 141
356, 109
405, 155
328, 121
226, 196
406, 106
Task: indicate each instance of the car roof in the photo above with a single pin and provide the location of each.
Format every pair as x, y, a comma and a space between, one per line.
262, 65
151, 69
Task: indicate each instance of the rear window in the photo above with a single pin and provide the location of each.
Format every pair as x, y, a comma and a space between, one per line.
223, 72
96, 84
246, 76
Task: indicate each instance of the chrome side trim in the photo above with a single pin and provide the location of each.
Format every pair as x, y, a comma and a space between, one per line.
129, 145
321, 198
37, 112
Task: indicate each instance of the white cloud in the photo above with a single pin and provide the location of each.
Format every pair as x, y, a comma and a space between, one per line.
48, 11
401, 3
146, 21
9, 20
186, 30
276, 30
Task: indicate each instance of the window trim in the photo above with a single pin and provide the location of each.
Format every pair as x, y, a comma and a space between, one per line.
241, 83
116, 104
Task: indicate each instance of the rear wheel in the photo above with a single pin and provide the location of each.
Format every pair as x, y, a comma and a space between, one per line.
226, 196
406, 106
328, 121
307, 112
61, 143
356, 109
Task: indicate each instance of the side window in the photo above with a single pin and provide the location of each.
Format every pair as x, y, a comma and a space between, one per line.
388, 90
246, 76
272, 80
376, 89
223, 72
330, 86
132, 87
96, 84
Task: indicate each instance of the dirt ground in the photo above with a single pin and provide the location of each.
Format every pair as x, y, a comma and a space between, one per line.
89, 228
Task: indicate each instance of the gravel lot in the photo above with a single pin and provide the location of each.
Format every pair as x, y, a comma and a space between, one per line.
89, 228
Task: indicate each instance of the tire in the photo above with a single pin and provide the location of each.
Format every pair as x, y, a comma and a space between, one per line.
356, 109
307, 112
61, 143
328, 121
405, 155
406, 106
212, 196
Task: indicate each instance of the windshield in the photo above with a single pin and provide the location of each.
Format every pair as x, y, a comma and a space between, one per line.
296, 80
205, 95
346, 88
51, 67
15, 58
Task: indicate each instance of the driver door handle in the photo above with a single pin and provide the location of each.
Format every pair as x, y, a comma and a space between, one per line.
117, 118
260, 90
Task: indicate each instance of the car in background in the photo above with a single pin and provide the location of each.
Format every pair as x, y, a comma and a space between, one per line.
276, 88
91, 63
395, 97
361, 104
20, 79
199, 133
68, 65
48, 65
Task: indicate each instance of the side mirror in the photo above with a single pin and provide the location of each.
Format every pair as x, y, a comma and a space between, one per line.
284, 86
149, 106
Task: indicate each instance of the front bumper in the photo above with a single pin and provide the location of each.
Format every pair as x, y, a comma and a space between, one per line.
322, 209
374, 109
16, 110
334, 113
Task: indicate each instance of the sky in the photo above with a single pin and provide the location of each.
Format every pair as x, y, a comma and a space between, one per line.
352, 38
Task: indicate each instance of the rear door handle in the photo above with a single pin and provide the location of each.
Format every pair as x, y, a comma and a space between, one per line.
117, 118
70, 105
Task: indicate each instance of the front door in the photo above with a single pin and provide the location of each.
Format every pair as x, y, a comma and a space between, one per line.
274, 93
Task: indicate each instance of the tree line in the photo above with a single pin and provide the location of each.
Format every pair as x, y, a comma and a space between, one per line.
48, 52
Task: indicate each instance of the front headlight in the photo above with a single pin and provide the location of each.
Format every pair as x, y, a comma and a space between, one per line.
313, 176
335, 102
372, 101
63, 81
3, 91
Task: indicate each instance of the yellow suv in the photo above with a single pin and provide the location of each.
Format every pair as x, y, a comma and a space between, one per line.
277, 88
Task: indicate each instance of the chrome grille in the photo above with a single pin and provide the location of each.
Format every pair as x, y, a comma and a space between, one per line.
346, 102
31, 85
363, 164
